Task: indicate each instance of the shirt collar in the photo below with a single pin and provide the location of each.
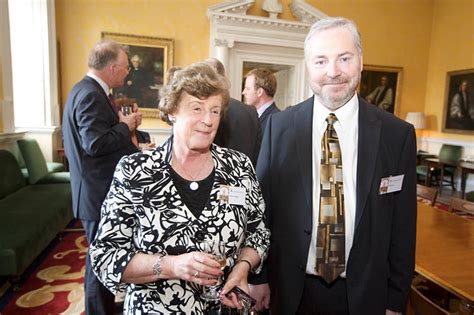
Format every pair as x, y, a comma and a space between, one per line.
345, 114
101, 82
264, 108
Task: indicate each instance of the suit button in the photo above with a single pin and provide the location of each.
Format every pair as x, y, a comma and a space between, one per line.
301, 267
307, 231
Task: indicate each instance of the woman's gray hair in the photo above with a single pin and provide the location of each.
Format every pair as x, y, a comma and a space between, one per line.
103, 53
199, 80
331, 23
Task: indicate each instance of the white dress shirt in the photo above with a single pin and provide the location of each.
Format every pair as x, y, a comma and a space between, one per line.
101, 82
347, 128
263, 108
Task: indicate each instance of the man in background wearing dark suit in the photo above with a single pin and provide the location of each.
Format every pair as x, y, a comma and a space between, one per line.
340, 244
239, 129
96, 135
260, 87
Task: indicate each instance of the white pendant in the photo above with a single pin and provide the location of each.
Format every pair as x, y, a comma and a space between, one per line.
193, 186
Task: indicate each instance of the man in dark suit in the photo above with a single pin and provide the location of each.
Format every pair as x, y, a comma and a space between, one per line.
306, 275
239, 129
260, 87
96, 136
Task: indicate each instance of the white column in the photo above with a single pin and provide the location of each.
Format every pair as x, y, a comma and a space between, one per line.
222, 47
6, 103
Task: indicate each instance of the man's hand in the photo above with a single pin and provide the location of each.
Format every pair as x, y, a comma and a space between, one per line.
260, 292
132, 121
389, 312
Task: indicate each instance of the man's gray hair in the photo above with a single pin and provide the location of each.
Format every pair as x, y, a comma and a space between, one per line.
331, 23
103, 53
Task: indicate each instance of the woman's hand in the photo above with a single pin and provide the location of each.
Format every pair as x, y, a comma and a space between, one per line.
237, 278
195, 267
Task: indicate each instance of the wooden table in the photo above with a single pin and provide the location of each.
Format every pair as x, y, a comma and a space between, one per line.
445, 251
466, 168
435, 162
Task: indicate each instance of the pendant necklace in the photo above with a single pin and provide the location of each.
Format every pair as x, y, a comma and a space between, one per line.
194, 185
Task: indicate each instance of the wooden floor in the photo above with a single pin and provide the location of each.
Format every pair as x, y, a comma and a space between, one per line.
446, 193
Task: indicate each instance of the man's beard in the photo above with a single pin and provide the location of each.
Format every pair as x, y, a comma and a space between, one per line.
334, 100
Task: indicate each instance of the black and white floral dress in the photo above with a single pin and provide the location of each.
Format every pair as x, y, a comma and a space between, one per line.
143, 212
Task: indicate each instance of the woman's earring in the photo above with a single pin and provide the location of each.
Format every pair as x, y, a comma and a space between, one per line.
172, 119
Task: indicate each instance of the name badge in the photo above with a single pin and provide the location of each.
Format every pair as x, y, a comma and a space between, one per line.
391, 184
232, 195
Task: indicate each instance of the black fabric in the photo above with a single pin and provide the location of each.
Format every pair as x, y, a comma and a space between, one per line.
197, 199
240, 130
320, 298
97, 298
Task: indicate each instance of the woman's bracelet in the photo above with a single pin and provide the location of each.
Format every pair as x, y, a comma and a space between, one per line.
245, 261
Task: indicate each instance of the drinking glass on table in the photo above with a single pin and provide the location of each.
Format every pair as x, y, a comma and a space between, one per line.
216, 250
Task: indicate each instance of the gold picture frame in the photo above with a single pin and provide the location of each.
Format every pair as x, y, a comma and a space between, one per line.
149, 60
458, 112
372, 89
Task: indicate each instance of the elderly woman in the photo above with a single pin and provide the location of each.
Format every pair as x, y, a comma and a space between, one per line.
162, 203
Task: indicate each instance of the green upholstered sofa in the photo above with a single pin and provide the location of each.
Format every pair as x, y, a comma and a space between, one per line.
31, 215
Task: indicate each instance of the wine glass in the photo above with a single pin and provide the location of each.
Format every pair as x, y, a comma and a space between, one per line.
216, 250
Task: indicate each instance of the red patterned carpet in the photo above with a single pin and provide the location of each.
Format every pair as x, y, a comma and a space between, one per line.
56, 284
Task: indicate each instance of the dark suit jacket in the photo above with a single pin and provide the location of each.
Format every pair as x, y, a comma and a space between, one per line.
381, 262
240, 130
266, 114
94, 141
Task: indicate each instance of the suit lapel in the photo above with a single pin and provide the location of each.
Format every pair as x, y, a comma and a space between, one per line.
99, 88
368, 148
303, 120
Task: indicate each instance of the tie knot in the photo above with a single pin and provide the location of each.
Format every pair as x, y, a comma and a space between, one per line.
331, 119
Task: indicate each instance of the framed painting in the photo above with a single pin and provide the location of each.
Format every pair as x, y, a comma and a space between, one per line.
380, 86
149, 61
458, 113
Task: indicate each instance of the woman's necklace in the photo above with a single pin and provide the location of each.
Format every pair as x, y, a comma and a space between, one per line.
193, 185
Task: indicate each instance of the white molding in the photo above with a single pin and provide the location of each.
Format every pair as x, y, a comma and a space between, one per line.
236, 38
39, 130
305, 12
469, 144
12, 136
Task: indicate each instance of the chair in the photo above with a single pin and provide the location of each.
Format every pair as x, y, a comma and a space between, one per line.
432, 170
36, 164
462, 206
423, 306
470, 196
427, 193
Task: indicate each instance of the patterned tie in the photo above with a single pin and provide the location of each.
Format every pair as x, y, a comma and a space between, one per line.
330, 247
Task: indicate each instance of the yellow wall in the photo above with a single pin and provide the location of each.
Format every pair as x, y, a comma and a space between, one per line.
396, 33
452, 48
79, 24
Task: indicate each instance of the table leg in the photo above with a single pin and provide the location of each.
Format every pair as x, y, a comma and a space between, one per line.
442, 178
463, 183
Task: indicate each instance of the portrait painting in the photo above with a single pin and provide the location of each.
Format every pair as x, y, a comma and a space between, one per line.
458, 113
380, 86
149, 60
